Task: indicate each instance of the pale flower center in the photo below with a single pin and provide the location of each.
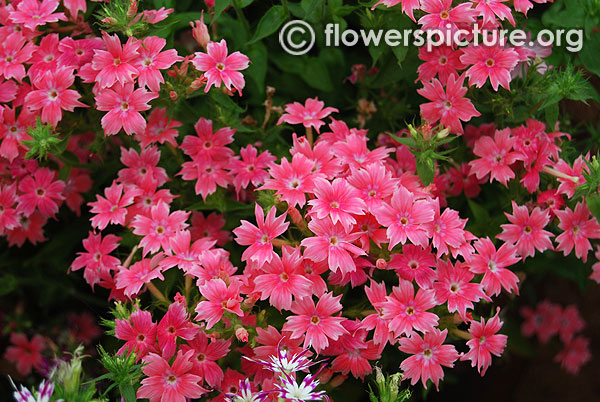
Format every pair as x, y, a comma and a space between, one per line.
490, 62
220, 66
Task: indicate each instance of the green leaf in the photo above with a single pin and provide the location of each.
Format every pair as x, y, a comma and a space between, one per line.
258, 68
405, 140
128, 393
590, 55
220, 6
8, 283
426, 170
269, 23
315, 74
593, 203
311, 10
551, 112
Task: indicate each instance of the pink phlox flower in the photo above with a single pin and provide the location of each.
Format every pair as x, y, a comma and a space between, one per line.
492, 264
353, 352
210, 227
32, 13
442, 61
74, 6
369, 230
96, 260
25, 353
165, 382
447, 230
454, 286
250, 167
311, 114
578, 226
544, 321
52, 95
449, 106
45, 57
408, 6
205, 357
356, 278
151, 60
567, 185
313, 271
13, 131
160, 128
123, 105
493, 62
139, 332
377, 295
273, 343
76, 53
485, 343
175, 324
208, 144
291, 181
495, 157
42, 191
333, 243
407, 312
316, 323
116, 63
158, 228
260, 238
550, 200
15, 50
339, 132
320, 154
208, 174
353, 151
8, 211
429, 355
374, 183
141, 272
406, 218
527, 231
220, 299
185, 256
29, 228
337, 200
8, 93
112, 209
575, 355
415, 264
220, 68
440, 14
570, 323
490, 9
213, 264
141, 169
155, 16
282, 278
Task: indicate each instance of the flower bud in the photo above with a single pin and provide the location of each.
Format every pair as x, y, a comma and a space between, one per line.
200, 31
241, 334
173, 95
133, 8
381, 263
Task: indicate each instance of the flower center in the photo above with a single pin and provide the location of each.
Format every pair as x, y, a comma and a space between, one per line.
220, 66
413, 265
315, 320
97, 256
117, 61
8, 59
160, 230
333, 240
427, 352
171, 329
53, 94
141, 338
410, 310
171, 379
404, 221
147, 62
443, 60
372, 193
490, 62
527, 229
79, 52
264, 239
49, 58
498, 158
40, 192
284, 277
448, 105
201, 357
334, 204
445, 15
454, 287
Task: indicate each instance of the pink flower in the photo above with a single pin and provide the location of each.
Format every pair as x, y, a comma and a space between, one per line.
151, 60
207, 144
8, 214
220, 298
220, 68
32, 13
406, 218
123, 105
429, 355
493, 62
96, 259
408, 6
209, 227
490, 9
407, 312
141, 169
208, 173
575, 354
332, 243
205, 357
76, 53
175, 324
160, 128
291, 180
447, 230
116, 63
353, 352
449, 106
282, 278
495, 157
139, 332
442, 61
485, 343
159, 227
316, 322
374, 183
578, 228
112, 209
15, 50
440, 14
24, 353
52, 96
492, 264
45, 58
141, 272
415, 263
170, 383
310, 114
527, 231
260, 238
454, 286
185, 256
337, 200
74, 6
570, 323
543, 321
42, 192
377, 296
250, 168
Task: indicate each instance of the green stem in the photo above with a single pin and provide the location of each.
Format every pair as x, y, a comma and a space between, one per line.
240, 15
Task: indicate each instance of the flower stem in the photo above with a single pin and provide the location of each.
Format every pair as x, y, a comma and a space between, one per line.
157, 293
556, 173
127, 262
309, 135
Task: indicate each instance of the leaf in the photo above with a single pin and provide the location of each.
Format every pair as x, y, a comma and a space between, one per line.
316, 75
258, 67
593, 203
311, 10
8, 283
220, 6
128, 393
426, 170
552, 114
405, 140
590, 55
269, 23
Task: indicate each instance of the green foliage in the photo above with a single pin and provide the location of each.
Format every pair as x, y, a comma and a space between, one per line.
43, 141
388, 388
68, 381
123, 373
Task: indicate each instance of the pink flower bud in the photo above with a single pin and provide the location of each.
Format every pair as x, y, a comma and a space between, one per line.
200, 31
241, 334
173, 95
381, 263
133, 7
